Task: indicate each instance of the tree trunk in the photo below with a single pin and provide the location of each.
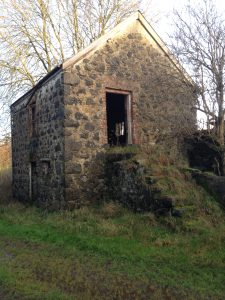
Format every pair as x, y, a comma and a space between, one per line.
220, 130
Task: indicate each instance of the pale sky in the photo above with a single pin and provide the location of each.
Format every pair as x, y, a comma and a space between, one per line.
164, 8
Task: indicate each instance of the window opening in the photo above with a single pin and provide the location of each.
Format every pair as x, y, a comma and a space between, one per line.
118, 119
46, 167
33, 120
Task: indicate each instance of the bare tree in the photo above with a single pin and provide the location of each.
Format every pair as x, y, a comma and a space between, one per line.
199, 43
35, 36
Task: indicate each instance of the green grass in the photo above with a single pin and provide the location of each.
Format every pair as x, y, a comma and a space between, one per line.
109, 253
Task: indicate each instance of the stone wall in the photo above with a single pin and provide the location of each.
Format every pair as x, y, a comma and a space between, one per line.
130, 181
20, 154
45, 149
162, 105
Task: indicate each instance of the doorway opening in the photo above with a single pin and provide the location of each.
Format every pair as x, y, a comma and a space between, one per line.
33, 180
118, 108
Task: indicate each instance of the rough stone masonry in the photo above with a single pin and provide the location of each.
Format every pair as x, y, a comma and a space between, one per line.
61, 128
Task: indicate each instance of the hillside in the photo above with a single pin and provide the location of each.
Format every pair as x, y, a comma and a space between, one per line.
105, 251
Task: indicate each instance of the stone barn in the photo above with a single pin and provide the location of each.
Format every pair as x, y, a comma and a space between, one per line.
124, 89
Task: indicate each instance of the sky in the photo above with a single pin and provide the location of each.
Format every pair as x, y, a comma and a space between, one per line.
164, 9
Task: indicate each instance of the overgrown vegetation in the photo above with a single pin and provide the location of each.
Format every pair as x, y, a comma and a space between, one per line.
108, 252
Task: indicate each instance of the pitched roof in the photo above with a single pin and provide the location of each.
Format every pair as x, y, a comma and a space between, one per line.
101, 42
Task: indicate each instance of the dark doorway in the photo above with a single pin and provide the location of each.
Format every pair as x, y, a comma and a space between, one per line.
33, 180
118, 119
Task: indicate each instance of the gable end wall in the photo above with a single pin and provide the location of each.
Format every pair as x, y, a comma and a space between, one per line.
162, 105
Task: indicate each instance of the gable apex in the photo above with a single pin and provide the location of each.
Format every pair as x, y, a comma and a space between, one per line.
101, 41
137, 16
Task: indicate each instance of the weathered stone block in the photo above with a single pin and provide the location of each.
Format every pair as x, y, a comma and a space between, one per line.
73, 168
72, 123
73, 145
80, 116
90, 101
89, 82
71, 78
84, 135
89, 126
72, 101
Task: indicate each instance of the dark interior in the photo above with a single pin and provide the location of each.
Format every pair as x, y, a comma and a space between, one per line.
33, 180
116, 119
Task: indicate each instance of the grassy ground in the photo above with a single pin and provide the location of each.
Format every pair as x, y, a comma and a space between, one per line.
108, 252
